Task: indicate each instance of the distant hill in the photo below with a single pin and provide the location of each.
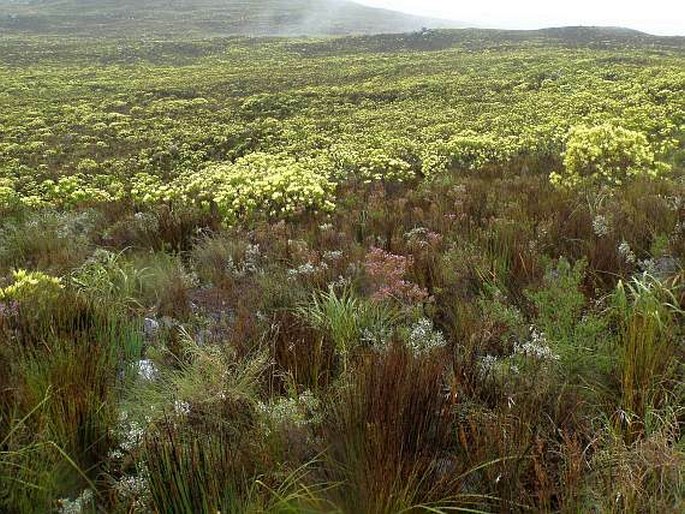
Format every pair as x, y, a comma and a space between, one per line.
167, 18
475, 39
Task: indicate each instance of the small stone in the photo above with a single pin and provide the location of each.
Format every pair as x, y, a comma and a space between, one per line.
150, 328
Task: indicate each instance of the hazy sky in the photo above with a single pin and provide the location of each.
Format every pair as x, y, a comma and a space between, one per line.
666, 17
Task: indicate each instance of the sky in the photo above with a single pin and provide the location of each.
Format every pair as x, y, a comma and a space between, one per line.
662, 17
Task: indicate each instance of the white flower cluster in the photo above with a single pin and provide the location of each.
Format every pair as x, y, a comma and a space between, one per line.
332, 256
135, 490
129, 433
306, 270
73, 225
487, 365
77, 506
377, 338
181, 408
146, 220
536, 348
626, 253
601, 226
302, 411
660, 268
675, 202
248, 266
252, 256
422, 237
340, 283
424, 337
147, 370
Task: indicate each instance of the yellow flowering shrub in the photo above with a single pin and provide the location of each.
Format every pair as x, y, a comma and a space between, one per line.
274, 184
606, 155
74, 190
9, 197
467, 150
149, 190
31, 286
350, 159
377, 165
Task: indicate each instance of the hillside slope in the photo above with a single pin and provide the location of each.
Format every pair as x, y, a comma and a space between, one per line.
203, 18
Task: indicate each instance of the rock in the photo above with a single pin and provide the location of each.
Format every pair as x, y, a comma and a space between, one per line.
661, 268
150, 328
666, 267
204, 337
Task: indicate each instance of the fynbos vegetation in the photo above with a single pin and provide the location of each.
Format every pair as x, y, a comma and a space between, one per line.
432, 272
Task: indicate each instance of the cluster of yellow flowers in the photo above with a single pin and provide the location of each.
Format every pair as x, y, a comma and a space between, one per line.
8, 194
31, 286
378, 166
606, 155
467, 150
277, 185
79, 190
181, 135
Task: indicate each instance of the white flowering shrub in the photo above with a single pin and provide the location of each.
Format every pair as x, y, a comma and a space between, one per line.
601, 225
535, 347
134, 490
606, 155
530, 363
128, 434
565, 322
306, 270
80, 505
424, 337
625, 252
299, 412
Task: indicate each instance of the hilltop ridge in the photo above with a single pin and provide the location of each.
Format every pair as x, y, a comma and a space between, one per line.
165, 18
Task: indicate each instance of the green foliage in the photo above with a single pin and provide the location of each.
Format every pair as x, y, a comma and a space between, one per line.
386, 428
348, 320
648, 317
570, 327
109, 280
62, 390
50, 241
246, 138
559, 305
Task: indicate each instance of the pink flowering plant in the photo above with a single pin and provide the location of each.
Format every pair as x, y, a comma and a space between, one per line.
388, 274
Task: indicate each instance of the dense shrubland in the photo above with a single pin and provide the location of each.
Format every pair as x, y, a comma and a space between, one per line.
291, 276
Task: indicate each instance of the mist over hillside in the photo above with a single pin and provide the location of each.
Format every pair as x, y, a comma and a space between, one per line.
204, 18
